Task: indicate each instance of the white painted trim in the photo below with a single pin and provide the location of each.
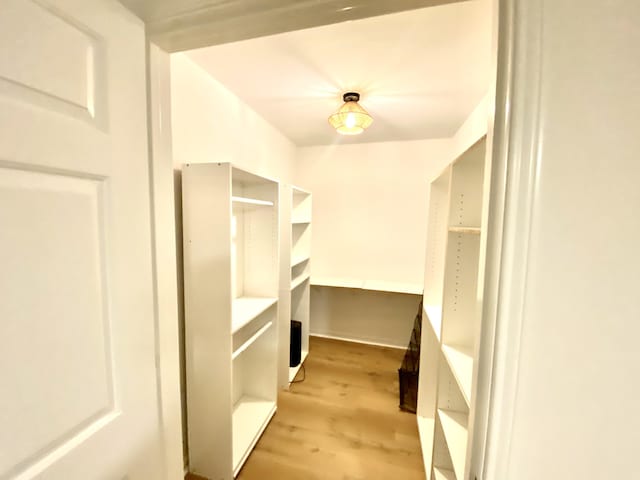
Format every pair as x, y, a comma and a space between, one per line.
163, 247
354, 340
516, 143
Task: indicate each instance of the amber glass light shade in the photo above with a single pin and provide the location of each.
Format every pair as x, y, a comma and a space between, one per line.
351, 118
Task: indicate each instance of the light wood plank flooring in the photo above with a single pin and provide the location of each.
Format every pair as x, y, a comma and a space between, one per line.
342, 422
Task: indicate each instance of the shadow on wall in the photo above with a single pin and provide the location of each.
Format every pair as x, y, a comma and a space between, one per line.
177, 188
363, 315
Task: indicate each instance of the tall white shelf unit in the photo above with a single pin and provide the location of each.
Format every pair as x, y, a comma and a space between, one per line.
230, 229
295, 272
452, 311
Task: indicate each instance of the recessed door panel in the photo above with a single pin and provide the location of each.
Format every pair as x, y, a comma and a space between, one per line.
79, 397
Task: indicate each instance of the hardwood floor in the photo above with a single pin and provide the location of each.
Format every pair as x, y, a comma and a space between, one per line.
342, 422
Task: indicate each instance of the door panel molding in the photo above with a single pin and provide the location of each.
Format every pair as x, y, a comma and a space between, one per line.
33, 30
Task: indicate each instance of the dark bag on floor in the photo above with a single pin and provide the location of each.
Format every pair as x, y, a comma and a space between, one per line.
409, 371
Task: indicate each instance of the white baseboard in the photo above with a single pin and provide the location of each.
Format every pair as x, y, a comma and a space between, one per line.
357, 340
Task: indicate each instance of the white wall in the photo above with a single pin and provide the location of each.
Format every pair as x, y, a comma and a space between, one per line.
381, 318
474, 127
370, 206
210, 124
369, 223
568, 408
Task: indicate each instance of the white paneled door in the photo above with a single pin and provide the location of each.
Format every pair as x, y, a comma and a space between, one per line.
78, 388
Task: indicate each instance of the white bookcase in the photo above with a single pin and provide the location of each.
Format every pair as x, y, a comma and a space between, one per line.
295, 272
230, 229
452, 312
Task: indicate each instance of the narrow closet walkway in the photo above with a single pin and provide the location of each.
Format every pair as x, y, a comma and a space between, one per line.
342, 422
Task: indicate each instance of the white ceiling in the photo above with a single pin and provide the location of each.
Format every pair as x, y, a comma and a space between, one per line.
420, 73
178, 25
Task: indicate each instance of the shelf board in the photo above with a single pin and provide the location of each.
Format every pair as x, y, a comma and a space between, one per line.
454, 426
434, 314
300, 221
442, 474
245, 309
397, 287
426, 431
460, 360
293, 371
336, 282
250, 341
250, 418
298, 260
247, 177
373, 285
299, 280
299, 191
250, 202
464, 229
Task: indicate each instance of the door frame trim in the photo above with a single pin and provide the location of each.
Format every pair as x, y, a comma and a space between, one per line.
163, 250
517, 142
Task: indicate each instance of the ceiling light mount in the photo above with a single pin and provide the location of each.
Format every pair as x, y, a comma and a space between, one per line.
351, 97
351, 118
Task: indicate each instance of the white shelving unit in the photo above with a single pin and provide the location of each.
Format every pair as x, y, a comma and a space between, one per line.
245, 309
242, 202
230, 228
295, 275
425, 431
442, 474
452, 310
298, 259
454, 426
460, 361
299, 280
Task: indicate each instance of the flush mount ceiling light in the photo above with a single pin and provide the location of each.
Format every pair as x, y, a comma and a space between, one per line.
351, 118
